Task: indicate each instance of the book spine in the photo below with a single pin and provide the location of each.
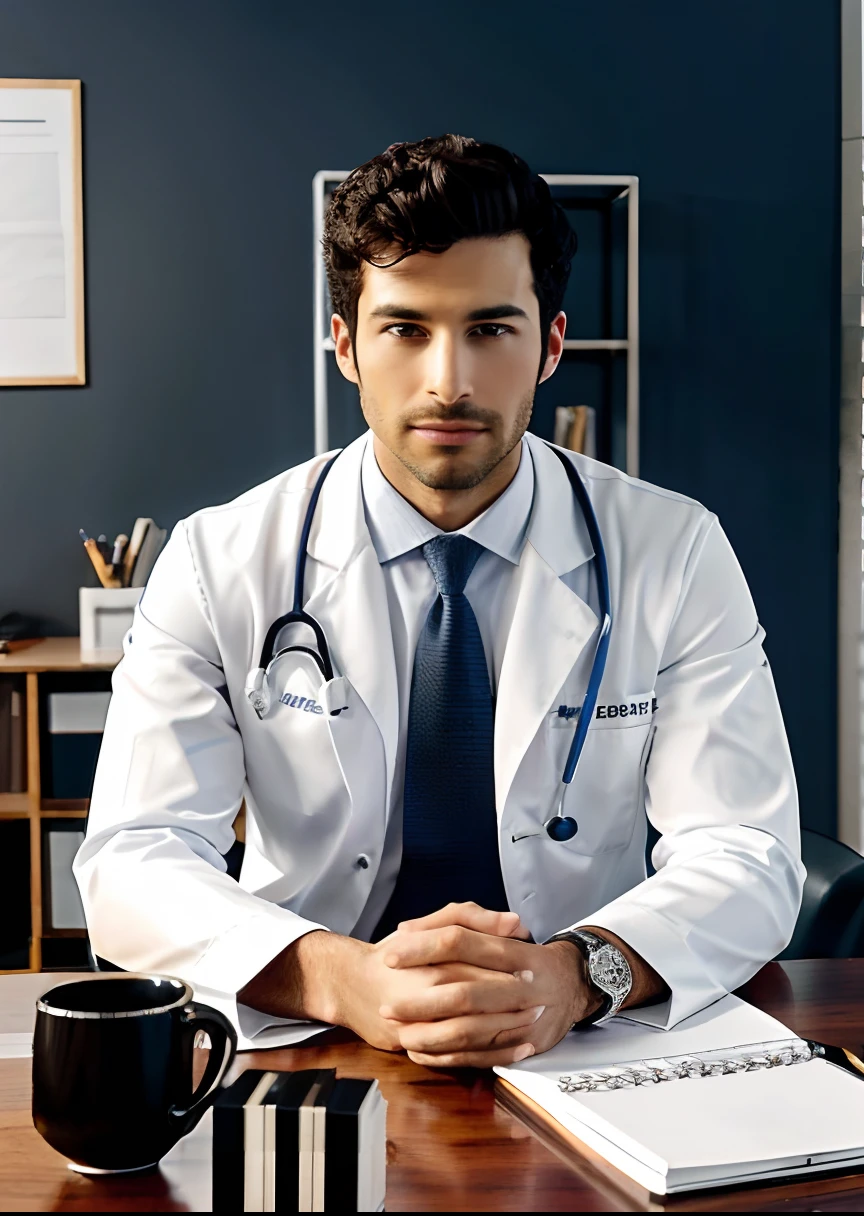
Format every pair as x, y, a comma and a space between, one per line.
17, 783
6, 691
341, 1166
228, 1159
269, 1159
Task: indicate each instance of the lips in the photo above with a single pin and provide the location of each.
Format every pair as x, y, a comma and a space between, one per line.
448, 433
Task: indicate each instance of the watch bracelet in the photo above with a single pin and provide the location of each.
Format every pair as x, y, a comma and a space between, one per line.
606, 998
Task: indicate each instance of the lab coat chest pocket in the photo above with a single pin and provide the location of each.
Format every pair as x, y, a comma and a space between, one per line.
606, 793
293, 741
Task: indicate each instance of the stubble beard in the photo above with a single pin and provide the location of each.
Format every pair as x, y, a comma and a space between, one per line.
466, 478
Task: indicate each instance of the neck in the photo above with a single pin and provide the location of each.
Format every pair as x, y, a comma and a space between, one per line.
448, 510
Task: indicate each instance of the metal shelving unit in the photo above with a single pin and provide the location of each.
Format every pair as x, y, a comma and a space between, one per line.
617, 185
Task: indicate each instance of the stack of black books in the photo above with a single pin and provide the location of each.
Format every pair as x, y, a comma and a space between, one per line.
299, 1142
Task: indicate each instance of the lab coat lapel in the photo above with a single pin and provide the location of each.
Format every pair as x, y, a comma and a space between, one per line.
350, 602
551, 624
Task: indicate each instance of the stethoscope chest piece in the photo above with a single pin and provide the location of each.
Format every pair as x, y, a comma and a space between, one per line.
561, 827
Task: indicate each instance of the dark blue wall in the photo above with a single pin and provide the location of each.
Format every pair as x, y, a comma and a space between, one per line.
204, 122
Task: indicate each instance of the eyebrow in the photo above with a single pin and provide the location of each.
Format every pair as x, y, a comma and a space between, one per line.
496, 313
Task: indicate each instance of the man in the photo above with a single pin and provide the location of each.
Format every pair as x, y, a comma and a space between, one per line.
411, 804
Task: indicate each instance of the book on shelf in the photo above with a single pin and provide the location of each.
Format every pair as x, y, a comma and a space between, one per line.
144, 546
576, 429
13, 765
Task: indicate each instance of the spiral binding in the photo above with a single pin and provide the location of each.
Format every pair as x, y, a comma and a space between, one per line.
681, 1068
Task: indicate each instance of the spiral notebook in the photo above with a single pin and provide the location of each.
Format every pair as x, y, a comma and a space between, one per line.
728, 1096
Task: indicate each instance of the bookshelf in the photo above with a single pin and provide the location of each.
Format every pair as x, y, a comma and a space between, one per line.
575, 192
34, 661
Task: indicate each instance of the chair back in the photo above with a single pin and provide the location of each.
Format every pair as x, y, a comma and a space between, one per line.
831, 921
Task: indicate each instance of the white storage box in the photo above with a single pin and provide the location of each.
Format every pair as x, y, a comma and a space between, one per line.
105, 617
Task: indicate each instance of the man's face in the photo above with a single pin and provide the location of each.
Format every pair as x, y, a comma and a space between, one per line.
447, 355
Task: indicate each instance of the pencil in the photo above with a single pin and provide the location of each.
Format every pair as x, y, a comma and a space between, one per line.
105, 573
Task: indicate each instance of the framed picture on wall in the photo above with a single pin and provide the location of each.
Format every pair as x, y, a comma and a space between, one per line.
41, 233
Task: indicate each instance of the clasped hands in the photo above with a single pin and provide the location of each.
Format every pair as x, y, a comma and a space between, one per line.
466, 987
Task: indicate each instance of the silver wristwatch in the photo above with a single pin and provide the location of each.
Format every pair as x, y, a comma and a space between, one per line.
608, 971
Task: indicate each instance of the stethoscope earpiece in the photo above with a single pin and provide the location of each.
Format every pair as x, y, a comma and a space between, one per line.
561, 827
258, 691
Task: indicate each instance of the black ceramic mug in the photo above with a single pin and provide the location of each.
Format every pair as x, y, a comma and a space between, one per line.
112, 1068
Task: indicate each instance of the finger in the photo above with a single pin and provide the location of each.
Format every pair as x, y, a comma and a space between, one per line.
492, 992
483, 1032
470, 916
455, 944
473, 1059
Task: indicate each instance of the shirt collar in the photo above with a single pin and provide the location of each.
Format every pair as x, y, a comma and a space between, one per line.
396, 527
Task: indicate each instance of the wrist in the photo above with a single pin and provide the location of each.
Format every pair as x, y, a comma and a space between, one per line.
324, 964
305, 980
586, 998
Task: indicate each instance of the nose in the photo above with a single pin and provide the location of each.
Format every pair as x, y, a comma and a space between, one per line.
448, 370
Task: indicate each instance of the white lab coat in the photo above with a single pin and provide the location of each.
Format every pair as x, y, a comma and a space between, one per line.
688, 731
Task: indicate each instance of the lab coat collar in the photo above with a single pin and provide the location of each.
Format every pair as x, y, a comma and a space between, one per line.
550, 628
339, 528
351, 606
557, 529
551, 624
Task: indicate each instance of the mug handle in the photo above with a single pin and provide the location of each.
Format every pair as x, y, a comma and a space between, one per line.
223, 1045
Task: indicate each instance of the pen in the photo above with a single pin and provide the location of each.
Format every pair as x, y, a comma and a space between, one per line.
104, 572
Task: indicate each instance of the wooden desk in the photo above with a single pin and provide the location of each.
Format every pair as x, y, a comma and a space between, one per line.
450, 1147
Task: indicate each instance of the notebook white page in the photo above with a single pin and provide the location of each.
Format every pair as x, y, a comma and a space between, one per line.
701, 1131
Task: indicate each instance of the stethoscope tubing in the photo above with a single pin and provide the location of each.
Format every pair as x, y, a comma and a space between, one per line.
297, 616
559, 827
598, 666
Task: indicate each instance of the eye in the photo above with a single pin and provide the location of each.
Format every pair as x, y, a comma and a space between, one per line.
405, 325
492, 330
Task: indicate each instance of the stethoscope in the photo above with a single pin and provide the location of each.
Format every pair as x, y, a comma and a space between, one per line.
559, 827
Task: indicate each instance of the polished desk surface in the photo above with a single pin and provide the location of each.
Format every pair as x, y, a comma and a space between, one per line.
451, 1148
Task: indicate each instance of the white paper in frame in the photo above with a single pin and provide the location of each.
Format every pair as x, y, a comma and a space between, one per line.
41, 233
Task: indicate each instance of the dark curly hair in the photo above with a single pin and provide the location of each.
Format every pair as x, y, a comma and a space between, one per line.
428, 195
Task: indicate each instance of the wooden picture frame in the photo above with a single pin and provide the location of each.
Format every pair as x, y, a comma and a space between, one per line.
42, 338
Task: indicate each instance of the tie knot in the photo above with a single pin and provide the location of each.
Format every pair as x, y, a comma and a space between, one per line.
451, 560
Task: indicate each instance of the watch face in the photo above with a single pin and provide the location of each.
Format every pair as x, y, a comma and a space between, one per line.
609, 970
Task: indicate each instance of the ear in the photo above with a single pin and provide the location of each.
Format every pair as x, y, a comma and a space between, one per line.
344, 349
555, 346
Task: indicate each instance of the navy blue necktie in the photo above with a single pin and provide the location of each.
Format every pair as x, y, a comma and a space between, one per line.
449, 826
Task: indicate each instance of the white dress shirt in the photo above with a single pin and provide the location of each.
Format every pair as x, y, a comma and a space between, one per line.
398, 531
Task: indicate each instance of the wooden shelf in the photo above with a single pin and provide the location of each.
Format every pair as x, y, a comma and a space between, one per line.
33, 659
14, 806
52, 654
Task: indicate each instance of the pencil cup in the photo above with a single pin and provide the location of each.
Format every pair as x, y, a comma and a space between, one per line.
105, 617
